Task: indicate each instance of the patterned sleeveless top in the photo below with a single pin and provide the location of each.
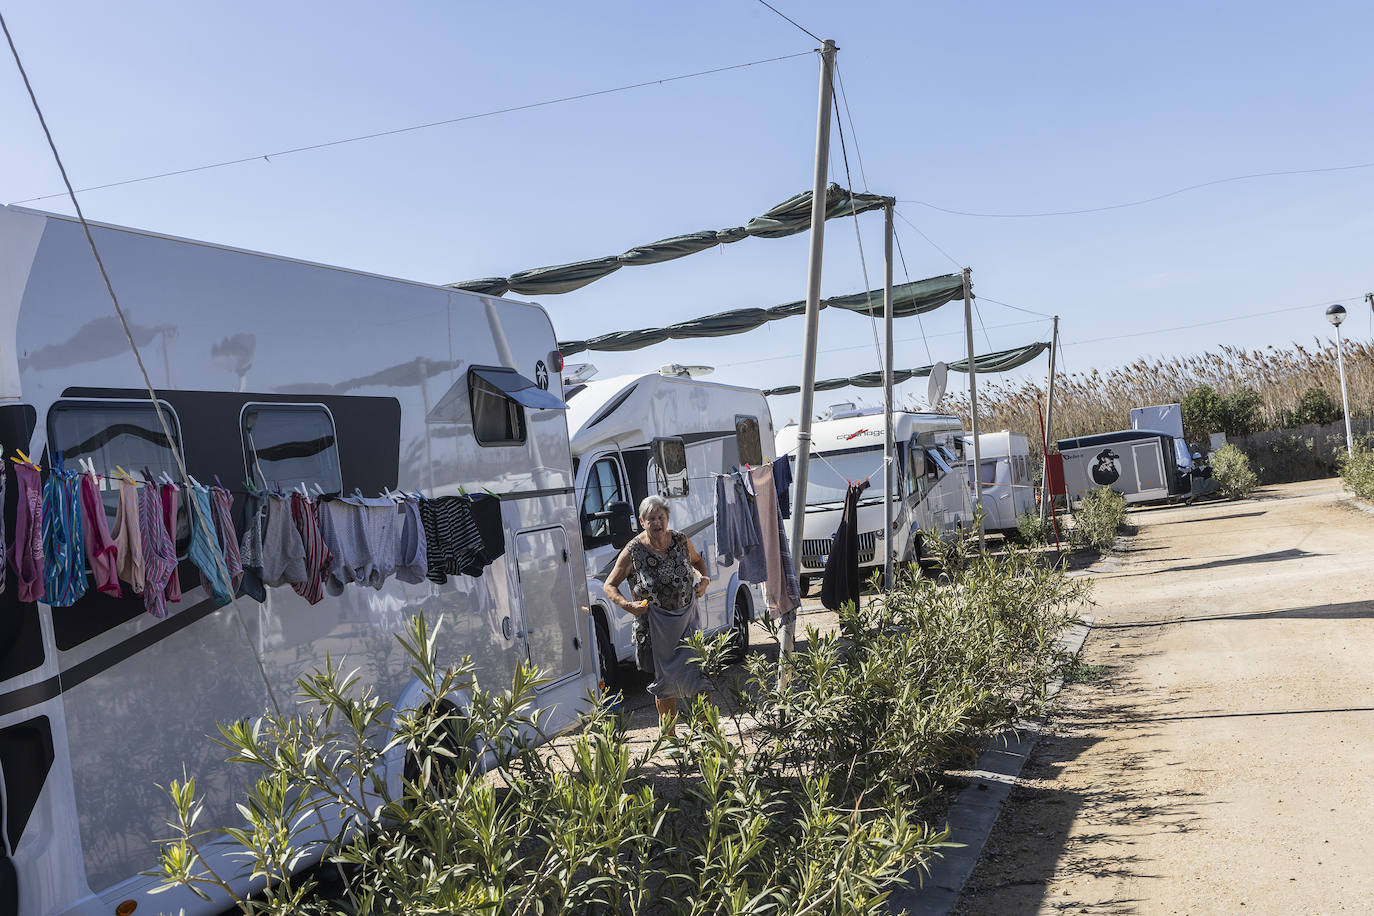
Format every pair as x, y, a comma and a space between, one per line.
667, 580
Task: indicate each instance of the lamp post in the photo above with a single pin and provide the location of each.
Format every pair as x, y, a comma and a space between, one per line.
1336, 314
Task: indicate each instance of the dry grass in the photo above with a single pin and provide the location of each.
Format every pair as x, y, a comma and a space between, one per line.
1096, 402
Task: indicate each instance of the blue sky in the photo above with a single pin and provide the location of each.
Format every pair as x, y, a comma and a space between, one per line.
1004, 108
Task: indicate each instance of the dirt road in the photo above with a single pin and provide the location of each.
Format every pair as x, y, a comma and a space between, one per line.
1222, 761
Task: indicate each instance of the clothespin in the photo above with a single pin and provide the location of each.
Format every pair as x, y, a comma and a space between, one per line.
491, 494
319, 489
386, 491
167, 479
219, 483
358, 493
24, 459
304, 492
251, 487
196, 483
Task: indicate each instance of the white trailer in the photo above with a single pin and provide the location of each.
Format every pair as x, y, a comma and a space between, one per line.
1142, 465
1006, 472
346, 379
932, 483
666, 433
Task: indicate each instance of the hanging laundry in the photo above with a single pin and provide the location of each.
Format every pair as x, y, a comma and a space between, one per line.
170, 499
222, 503
412, 551
283, 551
250, 547
3, 564
341, 529
452, 538
101, 552
159, 550
486, 513
841, 583
737, 529
380, 527
780, 590
64, 556
127, 537
26, 555
204, 551
782, 483
306, 514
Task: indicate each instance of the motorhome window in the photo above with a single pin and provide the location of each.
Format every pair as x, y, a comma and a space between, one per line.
291, 444
114, 434
939, 460
747, 437
831, 472
603, 488
670, 467
496, 418
989, 472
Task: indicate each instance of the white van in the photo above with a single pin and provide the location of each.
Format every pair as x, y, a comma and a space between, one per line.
932, 482
1007, 476
347, 380
667, 433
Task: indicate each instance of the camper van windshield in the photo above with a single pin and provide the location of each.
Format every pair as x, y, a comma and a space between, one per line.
829, 474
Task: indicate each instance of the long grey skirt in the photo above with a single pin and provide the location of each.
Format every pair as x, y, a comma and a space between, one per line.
677, 672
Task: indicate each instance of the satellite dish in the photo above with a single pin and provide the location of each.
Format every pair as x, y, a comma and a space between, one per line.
939, 374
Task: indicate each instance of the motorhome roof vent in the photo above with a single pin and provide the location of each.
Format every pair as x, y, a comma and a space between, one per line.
673, 370
843, 408
577, 373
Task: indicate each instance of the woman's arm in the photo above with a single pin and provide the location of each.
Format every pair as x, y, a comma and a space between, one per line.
700, 566
619, 572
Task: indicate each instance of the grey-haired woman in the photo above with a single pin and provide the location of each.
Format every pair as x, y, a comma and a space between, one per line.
667, 576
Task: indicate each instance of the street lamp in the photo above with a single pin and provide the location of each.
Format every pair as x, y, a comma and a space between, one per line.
1336, 314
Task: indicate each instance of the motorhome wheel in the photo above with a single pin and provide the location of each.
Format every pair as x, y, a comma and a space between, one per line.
739, 634
605, 652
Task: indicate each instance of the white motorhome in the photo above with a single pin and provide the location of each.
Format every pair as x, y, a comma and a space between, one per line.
347, 380
667, 433
1008, 484
932, 482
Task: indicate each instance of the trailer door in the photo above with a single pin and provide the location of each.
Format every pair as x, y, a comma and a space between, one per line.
1149, 466
548, 602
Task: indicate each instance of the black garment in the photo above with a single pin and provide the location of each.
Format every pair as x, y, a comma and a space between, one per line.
486, 513
453, 542
782, 482
841, 582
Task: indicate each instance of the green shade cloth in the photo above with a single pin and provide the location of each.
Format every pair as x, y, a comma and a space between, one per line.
908, 299
787, 218
1001, 361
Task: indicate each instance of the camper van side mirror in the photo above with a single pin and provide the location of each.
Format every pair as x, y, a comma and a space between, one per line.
622, 522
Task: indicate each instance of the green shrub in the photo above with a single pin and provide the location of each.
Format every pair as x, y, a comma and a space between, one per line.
1316, 408
1357, 469
1098, 518
1231, 470
800, 799
1032, 530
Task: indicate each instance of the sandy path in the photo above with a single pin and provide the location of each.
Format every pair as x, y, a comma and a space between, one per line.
1222, 762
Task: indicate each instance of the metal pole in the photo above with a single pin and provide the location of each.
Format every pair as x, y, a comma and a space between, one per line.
1345, 401
889, 449
1045, 495
973, 403
813, 315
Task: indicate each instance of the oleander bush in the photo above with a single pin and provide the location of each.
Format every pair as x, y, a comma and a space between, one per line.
1098, 518
793, 797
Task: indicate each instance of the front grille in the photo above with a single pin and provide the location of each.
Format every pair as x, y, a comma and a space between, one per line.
815, 550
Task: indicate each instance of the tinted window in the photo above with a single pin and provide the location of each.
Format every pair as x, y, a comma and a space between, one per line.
291, 444
670, 467
603, 488
747, 436
496, 419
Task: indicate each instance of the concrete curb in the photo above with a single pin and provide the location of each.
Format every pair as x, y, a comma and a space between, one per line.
976, 809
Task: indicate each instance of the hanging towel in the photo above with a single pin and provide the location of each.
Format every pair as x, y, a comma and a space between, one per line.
842, 583
737, 529
170, 500
782, 483
452, 538
780, 590
127, 538
204, 552
26, 555
412, 552
250, 547
159, 551
486, 513
64, 556
222, 503
283, 551
306, 514
101, 552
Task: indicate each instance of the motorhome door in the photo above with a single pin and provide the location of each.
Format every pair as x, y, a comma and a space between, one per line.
548, 602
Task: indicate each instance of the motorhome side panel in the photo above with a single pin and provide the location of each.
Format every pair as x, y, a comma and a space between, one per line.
383, 367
